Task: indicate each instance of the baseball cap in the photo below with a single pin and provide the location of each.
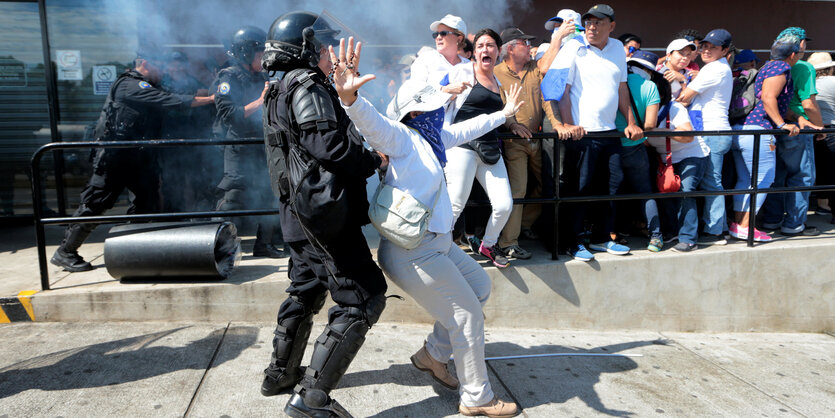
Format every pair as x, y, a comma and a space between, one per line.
679, 44
821, 60
800, 33
407, 60
512, 33
414, 96
601, 11
719, 37
645, 59
746, 55
452, 21
562, 16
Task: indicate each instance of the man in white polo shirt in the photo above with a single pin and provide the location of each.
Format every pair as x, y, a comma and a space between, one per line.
592, 71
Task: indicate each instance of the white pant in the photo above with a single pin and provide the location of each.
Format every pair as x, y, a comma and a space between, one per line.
453, 288
463, 165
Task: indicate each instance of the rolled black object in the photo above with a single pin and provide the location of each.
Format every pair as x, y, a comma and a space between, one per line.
172, 249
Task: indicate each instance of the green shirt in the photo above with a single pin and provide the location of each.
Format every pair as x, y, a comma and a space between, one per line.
803, 78
645, 93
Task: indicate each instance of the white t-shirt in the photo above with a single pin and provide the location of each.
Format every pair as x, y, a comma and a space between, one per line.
696, 148
715, 85
595, 76
826, 98
431, 67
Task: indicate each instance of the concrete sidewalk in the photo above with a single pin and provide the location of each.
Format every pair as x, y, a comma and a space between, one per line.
782, 286
215, 369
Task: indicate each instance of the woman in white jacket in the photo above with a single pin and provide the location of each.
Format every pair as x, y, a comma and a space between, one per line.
449, 284
432, 65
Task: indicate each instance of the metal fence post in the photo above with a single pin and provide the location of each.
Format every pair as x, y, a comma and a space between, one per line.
556, 173
752, 200
40, 239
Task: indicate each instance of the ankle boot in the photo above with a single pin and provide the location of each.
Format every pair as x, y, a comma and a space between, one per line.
66, 255
314, 403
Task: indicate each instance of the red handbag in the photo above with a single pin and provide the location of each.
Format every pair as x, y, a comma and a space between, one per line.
668, 181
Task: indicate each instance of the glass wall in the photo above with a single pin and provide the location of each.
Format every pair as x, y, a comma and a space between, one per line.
24, 113
91, 42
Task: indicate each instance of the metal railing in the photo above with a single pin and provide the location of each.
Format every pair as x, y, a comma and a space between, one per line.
557, 200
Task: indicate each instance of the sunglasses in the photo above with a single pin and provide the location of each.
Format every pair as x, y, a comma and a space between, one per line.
443, 33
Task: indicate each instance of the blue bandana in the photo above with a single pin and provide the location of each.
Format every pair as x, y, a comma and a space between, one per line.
429, 126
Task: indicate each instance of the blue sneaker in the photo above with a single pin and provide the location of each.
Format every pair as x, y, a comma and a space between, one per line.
611, 247
581, 253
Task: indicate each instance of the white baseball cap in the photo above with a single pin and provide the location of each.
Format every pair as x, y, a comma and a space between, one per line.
679, 44
452, 21
562, 16
414, 96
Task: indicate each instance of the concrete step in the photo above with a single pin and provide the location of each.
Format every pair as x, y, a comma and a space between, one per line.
785, 285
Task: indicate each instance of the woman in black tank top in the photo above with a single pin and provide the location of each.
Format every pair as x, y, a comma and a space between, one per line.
482, 101
481, 158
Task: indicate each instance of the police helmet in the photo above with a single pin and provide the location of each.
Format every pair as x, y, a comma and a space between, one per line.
246, 42
295, 40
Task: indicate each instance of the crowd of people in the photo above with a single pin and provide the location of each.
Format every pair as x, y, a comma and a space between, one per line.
439, 138
584, 80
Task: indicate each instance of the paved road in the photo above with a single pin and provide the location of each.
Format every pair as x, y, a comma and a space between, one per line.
214, 370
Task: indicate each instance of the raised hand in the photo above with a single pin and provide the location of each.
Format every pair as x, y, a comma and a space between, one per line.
511, 96
456, 88
346, 79
566, 29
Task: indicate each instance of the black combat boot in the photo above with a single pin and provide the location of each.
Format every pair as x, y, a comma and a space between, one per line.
263, 242
314, 403
66, 255
267, 250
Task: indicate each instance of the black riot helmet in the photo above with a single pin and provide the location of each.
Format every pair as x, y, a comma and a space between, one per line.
246, 42
295, 40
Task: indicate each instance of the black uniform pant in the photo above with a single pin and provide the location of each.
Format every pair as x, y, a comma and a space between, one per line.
115, 172
347, 271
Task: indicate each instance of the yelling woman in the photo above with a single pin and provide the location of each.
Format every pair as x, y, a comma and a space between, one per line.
481, 158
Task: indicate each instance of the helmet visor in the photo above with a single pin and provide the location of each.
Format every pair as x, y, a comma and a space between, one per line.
328, 30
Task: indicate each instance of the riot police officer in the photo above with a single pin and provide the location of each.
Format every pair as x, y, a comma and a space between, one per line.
303, 116
132, 111
239, 93
188, 176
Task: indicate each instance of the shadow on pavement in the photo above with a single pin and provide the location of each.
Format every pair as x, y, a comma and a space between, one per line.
556, 380
551, 380
121, 361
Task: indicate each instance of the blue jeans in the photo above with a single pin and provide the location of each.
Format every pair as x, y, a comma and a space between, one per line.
795, 168
743, 152
634, 165
692, 171
714, 210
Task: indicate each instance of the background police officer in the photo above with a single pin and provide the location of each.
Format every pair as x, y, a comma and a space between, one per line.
188, 175
239, 94
132, 111
303, 111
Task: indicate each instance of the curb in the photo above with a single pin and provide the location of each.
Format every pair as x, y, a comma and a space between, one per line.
17, 309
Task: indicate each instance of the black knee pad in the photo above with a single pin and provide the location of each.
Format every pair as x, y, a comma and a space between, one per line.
292, 333
339, 344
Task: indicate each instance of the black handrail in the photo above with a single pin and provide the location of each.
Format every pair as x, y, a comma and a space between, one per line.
556, 200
